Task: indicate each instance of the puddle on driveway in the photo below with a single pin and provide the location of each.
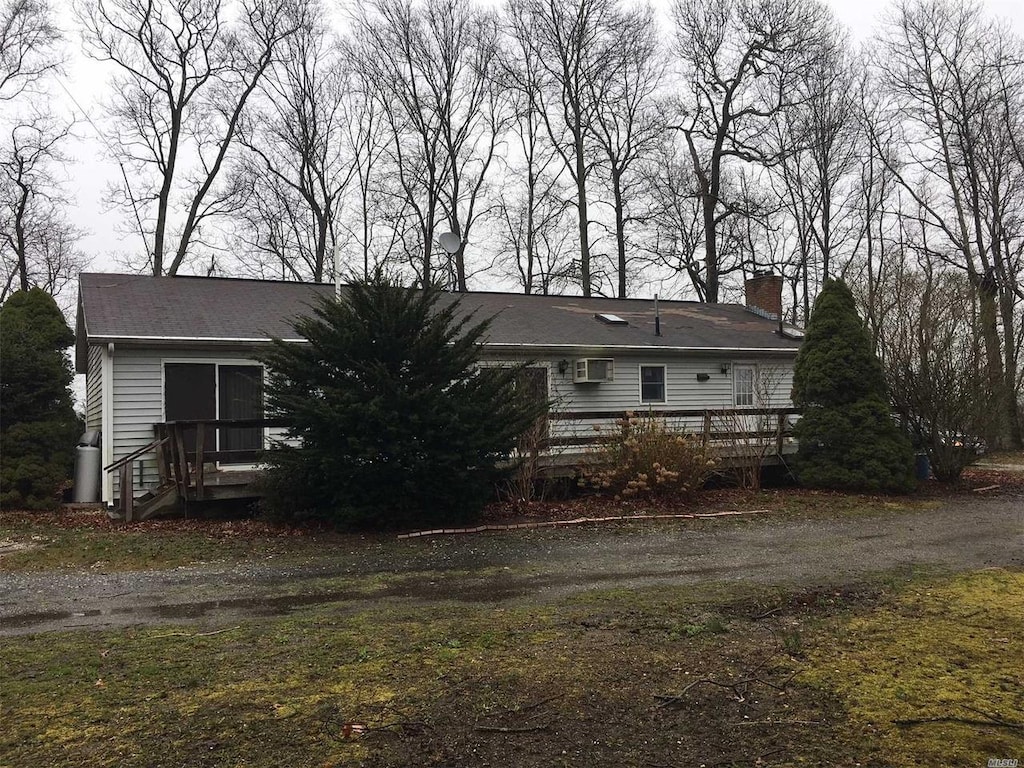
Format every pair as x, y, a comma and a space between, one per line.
129, 610
126, 613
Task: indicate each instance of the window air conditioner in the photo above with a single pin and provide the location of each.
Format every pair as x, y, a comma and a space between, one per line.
594, 370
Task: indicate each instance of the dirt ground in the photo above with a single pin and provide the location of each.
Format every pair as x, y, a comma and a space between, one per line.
528, 566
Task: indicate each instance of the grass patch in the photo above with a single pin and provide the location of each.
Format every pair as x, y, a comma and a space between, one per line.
1015, 458
715, 673
48, 541
572, 683
942, 653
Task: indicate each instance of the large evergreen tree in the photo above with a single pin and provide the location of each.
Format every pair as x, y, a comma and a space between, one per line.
847, 438
393, 423
38, 423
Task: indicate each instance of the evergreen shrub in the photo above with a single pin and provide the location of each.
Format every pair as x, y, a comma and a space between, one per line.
38, 424
393, 422
847, 439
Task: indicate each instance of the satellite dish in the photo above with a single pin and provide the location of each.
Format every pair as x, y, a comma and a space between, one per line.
450, 242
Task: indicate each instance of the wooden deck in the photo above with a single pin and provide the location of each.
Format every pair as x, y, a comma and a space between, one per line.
190, 471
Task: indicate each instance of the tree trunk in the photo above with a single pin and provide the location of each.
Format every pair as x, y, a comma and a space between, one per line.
581, 201
620, 231
710, 248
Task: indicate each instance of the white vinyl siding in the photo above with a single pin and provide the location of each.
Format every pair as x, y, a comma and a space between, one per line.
138, 389
94, 389
139, 401
685, 391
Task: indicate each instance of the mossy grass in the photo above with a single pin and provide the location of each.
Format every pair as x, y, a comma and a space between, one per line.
571, 682
923, 673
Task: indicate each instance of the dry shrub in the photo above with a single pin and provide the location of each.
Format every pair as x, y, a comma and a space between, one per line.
642, 456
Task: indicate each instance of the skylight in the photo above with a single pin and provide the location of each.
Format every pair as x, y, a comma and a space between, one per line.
610, 319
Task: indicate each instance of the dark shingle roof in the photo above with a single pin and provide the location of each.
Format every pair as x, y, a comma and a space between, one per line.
137, 307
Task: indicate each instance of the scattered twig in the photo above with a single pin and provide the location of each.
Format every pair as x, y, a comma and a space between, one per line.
781, 722
667, 699
779, 686
734, 686
766, 614
986, 488
514, 729
995, 718
195, 634
525, 707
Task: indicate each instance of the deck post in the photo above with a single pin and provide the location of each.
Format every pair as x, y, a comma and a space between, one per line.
127, 491
179, 443
200, 439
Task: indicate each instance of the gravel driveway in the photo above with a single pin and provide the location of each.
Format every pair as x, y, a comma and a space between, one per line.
533, 565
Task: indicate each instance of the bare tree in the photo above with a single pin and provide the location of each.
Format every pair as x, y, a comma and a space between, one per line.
953, 77
28, 51
574, 41
934, 367
299, 162
37, 242
876, 205
372, 228
817, 145
531, 205
744, 62
433, 65
185, 74
676, 215
628, 124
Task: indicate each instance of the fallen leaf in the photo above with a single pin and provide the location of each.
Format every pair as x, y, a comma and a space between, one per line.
352, 730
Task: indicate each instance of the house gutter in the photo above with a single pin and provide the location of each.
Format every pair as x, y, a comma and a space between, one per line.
107, 419
497, 345
643, 348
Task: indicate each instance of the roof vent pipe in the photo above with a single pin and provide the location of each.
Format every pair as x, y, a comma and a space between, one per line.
657, 317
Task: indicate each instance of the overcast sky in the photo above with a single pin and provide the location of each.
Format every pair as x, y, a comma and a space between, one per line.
92, 172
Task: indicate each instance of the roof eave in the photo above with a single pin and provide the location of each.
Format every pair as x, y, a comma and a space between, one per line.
647, 348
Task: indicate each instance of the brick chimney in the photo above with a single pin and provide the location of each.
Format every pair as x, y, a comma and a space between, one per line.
764, 294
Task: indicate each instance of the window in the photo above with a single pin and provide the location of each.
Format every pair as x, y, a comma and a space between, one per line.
743, 378
208, 391
240, 396
652, 384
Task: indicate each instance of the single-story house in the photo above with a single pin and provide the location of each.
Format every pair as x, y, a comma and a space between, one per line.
167, 349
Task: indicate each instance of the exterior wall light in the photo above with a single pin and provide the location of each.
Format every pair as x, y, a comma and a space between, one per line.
563, 366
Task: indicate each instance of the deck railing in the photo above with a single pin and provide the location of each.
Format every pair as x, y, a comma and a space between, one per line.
182, 461
713, 425
183, 448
